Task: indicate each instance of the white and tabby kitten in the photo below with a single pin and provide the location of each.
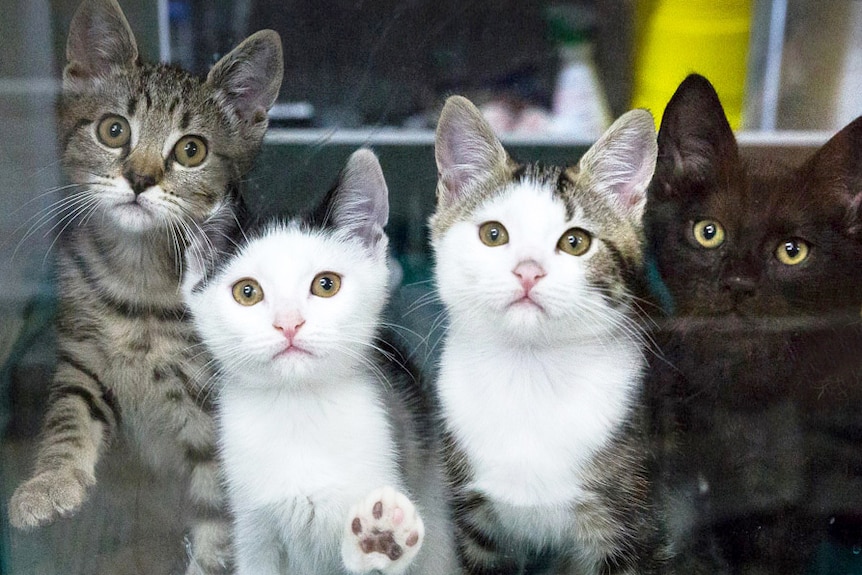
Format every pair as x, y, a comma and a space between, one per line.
152, 151
540, 375
326, 436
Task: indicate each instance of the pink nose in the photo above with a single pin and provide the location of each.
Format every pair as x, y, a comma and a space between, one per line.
529, 273
288, 324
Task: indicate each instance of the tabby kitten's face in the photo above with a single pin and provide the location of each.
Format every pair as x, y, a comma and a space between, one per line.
544, 254
152, 145
299, 302
741, 240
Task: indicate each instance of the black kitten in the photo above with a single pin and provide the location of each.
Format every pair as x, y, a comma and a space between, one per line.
759, 399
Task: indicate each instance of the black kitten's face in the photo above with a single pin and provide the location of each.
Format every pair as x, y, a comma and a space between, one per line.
755, 245
740, 240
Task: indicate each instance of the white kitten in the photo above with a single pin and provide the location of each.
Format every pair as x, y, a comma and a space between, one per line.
540, 376
322, 429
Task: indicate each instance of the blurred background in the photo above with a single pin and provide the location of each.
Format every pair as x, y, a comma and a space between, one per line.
549, 75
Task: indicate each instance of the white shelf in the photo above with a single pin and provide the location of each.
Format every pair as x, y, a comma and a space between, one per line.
411, 137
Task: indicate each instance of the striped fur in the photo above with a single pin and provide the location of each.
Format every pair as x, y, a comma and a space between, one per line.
129, 361
545, 445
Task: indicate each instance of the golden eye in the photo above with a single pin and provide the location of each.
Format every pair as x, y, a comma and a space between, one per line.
493, 234
326, 284
190, 151
708, 233
247, 292
114, 131
792, 252
575, 242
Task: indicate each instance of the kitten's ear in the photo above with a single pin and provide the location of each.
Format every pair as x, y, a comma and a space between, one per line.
466, 149
100, 40
249, 76
695, 138
360, 200
837, 168
622, 162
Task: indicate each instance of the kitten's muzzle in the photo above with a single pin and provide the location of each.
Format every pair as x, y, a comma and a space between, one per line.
143, 169
528, 273
140, 182
740, 286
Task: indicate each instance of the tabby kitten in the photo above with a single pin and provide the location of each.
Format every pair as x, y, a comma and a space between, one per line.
324, 427
540, 377
761, 267
153, 151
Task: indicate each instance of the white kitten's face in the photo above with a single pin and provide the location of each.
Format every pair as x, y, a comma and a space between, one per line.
293, 306
530, 288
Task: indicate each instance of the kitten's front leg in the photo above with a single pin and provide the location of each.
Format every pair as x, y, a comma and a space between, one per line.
73, 434
210, 550
384, 532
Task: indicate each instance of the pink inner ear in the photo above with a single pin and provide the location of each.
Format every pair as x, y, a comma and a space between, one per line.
448, 170
629, 198
453, 185
632, 194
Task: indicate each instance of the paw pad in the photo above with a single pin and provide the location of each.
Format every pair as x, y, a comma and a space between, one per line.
385, 533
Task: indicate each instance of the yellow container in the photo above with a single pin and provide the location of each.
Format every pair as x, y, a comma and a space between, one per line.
674, 38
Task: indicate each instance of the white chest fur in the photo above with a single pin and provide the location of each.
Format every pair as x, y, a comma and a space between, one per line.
530, 421
323, 449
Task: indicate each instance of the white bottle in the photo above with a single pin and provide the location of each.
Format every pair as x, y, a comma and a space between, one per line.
580, 107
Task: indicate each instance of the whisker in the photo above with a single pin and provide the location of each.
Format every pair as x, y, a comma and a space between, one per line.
47, 192
82, 210
422, 301
49, 213
419, 283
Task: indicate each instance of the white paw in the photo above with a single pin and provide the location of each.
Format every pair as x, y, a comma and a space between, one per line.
384, 532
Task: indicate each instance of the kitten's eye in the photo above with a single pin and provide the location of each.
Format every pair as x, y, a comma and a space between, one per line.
326, 284
190, 151
247, 291
114, 131
575, 242
493, 234
708, 233
792, 252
